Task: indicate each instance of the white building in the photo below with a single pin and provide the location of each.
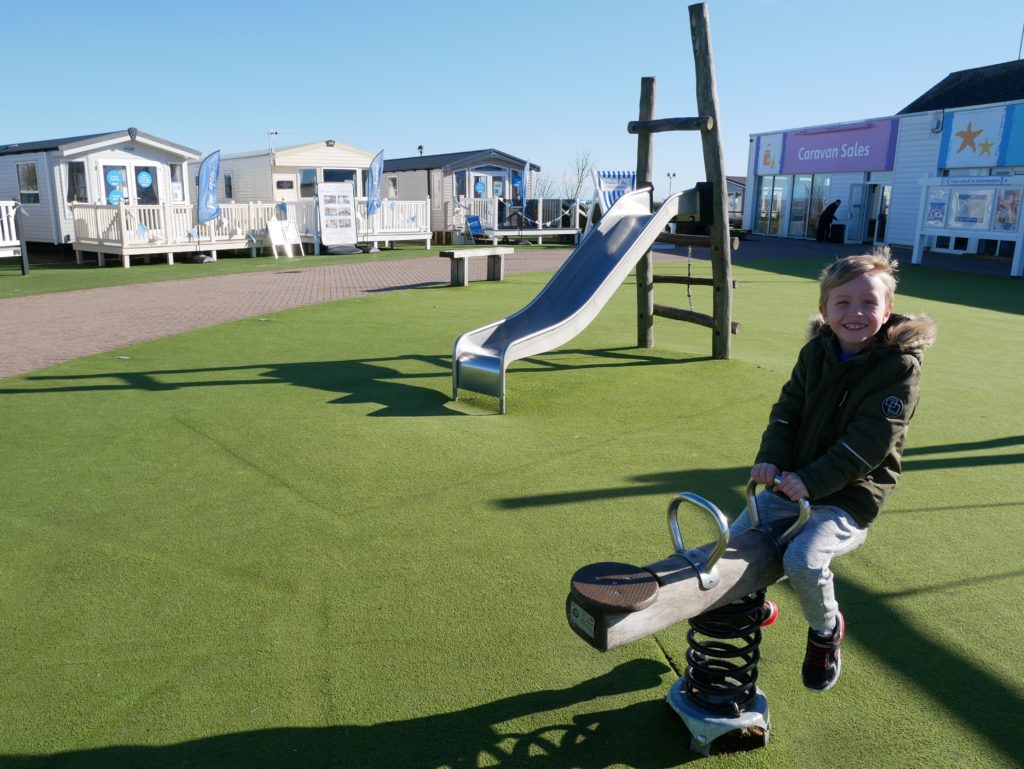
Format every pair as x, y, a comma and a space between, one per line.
291, 174
921, 178
128, 166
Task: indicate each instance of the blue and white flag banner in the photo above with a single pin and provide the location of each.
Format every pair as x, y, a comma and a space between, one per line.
526, 182
209, 172
612, 185
373, 186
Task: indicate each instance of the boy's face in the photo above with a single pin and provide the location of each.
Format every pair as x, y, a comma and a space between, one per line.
856, 310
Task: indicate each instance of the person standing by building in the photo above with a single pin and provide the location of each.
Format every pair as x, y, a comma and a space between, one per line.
825, 221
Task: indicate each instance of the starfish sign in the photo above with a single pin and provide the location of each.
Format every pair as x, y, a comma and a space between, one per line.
986, 148
968, 135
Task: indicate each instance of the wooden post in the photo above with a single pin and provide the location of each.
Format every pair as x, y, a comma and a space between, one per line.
714, 167
19, 227
644, 176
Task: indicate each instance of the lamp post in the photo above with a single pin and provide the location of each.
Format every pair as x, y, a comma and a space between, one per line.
671, 175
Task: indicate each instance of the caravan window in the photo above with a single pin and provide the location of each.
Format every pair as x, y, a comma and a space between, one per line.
147, 192
392, 186
28, 183
78, 190
229, 187
307, 182
177, 188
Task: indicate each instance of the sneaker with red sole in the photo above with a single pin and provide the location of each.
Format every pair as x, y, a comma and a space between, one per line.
769, 612
822, 662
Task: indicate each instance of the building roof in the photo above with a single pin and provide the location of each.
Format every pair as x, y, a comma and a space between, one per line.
68, 142
970, 87
452, 160
45, 145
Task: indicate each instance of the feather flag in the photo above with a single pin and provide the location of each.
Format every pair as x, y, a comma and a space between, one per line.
373, 188
209, 172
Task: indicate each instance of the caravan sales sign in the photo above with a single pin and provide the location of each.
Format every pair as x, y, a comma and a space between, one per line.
865, 147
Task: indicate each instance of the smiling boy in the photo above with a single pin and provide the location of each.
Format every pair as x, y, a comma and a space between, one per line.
836, 436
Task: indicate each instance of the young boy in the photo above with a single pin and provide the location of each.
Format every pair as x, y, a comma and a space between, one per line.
836, 435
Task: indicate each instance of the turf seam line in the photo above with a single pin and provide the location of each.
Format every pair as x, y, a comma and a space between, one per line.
668, 657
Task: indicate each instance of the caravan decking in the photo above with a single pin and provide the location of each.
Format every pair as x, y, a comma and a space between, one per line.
558, 217
124, 231
10, 245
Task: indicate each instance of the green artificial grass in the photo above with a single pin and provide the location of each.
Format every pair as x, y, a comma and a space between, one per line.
278, 543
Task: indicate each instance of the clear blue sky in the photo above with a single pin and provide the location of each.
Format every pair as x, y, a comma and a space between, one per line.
540, 80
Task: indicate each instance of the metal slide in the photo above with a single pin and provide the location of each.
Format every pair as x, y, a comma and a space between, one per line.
572, 298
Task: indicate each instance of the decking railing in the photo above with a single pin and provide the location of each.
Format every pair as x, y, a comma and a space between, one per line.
9, 243
500, 214
138, 229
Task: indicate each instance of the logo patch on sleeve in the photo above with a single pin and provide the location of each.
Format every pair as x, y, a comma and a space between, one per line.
892, 407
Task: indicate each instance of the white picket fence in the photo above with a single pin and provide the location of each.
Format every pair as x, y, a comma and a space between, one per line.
140, 230
9, 244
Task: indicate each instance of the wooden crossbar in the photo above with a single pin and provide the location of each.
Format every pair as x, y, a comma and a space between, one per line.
703, 123
700, 318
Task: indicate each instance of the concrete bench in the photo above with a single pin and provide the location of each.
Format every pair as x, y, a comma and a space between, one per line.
460, 262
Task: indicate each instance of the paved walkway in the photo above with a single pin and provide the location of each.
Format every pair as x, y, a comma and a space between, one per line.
40, 331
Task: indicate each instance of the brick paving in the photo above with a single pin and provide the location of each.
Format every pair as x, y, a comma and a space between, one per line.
46, 329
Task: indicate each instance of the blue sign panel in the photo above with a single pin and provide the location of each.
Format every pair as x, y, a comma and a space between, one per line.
115, 197
145, 179
480, 188
114, 178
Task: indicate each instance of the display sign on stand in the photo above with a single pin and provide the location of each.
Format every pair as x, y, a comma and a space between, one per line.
337, 214
283, 234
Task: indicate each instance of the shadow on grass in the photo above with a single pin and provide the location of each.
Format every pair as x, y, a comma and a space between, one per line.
712, 483
645, 735
378, 381
980, 700
989, 292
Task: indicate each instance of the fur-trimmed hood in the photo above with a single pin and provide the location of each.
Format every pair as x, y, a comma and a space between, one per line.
908, 333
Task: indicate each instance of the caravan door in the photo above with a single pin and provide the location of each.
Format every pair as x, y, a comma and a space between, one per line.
857, 221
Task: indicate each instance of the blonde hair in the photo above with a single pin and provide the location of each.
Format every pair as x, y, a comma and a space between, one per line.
841, 271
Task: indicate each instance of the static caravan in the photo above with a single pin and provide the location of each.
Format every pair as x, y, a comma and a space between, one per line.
128, 166
291, 174
457, 183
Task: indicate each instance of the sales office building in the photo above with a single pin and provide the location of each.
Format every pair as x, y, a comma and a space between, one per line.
946, 173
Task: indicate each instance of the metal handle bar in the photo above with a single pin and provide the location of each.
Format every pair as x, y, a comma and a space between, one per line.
704, 569
755, 519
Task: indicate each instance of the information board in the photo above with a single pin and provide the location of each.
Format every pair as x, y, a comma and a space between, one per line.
337, 214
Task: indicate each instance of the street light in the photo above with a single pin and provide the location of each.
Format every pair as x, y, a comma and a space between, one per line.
671, 175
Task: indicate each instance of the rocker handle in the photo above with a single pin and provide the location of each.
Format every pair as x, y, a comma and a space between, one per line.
755, 519
716, 515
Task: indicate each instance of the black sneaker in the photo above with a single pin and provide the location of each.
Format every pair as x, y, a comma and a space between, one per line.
822, 661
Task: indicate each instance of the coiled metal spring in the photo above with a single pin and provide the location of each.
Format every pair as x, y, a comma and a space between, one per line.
721, 674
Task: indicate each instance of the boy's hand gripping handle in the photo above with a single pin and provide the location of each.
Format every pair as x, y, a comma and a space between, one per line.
755, 520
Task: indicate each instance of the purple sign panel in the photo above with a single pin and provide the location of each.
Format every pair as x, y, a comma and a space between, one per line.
867, 147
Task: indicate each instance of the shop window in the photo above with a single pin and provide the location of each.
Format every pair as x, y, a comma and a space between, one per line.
78, 190
28, 183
